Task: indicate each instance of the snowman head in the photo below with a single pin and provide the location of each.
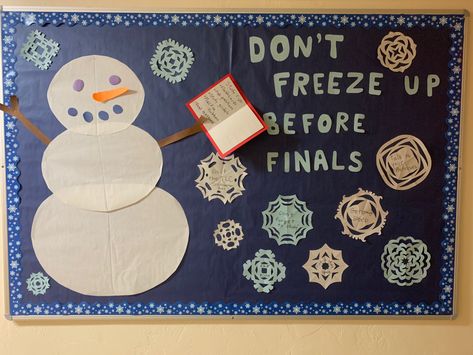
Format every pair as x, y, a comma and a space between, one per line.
95, 95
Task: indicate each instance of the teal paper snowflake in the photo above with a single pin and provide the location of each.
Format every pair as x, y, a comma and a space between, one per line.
39, 50
264, 270
171, 61
37, 283
405, 261
287, 220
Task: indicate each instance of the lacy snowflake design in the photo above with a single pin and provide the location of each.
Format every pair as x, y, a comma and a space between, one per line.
325, 266
361, 215
287, 220
221, 178
171, 61
37, 283
39, 50
264, 271
228, 234
403, 162
396, 51
405, 261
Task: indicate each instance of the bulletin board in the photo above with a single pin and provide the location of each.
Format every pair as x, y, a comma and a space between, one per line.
346, 204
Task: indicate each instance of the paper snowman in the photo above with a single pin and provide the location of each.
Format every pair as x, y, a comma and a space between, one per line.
106, 230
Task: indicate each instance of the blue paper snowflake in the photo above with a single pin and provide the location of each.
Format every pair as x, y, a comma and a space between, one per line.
171, 61
287, 220
39, 50
264, 270
405, 261
37, 283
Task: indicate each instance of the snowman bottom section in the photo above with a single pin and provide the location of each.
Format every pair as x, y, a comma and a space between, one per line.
119, 253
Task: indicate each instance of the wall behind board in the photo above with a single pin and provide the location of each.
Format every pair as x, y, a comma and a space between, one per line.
316, 336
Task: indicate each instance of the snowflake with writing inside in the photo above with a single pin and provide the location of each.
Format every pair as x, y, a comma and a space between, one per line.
221, 178
361, 215
287, 220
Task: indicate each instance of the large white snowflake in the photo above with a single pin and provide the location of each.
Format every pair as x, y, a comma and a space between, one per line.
325, 266
221, 178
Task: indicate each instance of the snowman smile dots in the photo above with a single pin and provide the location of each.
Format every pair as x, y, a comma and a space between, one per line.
103, 172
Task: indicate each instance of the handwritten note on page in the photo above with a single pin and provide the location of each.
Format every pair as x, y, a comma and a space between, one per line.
230, 119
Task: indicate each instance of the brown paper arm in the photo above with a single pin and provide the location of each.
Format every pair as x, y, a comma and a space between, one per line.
14, 110
187, 132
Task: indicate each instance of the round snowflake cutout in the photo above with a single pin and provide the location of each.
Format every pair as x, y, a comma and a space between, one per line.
228, 234
264, 271
37, 283
361, 215
403, 162
325, 266
221, 178
396, 51
405, 261
287, 220
171, 61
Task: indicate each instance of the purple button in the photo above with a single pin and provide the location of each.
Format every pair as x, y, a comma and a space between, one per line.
78, 85
114, 80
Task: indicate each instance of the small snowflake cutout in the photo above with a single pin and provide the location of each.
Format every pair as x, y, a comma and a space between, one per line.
39, 50
37, 283
228, 234
171, 61
264, 271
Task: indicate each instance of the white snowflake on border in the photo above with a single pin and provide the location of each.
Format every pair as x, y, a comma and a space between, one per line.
325, 266
228, 234
171, 61
37, 283
221, 178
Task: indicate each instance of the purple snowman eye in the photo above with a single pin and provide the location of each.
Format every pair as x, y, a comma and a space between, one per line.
114, 80
78, 85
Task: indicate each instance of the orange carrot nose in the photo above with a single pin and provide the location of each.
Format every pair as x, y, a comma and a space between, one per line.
103, 96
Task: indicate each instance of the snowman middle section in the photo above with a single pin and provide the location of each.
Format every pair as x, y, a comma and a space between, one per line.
107, 230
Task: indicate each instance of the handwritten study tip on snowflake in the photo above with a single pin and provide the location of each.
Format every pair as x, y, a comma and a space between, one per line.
221, 178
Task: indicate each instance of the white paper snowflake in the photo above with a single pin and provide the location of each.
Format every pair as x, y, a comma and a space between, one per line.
228, 234
325, 266
221, 178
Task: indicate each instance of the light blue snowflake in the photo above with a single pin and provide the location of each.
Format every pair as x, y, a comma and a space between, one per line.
287, 220
264, 270
37, 283
39, 50
405, 261
171, 61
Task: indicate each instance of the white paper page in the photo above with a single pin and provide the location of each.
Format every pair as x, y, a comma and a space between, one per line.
228, 118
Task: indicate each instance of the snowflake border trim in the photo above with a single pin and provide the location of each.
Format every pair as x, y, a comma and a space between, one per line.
454, 23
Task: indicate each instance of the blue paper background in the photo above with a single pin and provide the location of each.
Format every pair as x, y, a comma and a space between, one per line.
207, 273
